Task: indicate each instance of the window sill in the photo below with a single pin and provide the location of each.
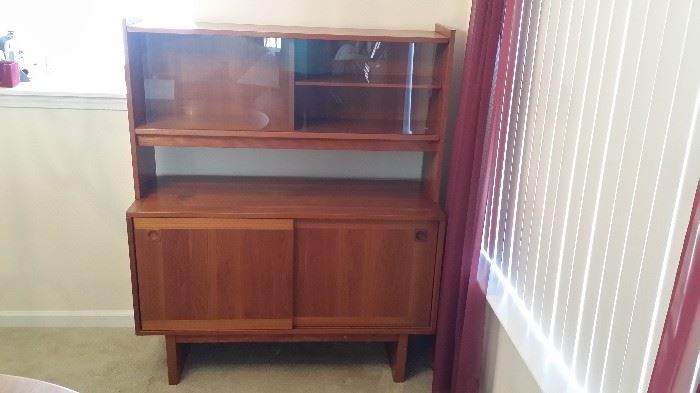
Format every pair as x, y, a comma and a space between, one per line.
539, 355
55, 95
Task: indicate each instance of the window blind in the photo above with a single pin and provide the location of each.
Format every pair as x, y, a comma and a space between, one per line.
597, 157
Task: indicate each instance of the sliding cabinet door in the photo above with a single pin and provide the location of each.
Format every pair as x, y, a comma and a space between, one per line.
214, 274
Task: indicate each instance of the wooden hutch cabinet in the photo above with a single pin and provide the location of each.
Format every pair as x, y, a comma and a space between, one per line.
229, 259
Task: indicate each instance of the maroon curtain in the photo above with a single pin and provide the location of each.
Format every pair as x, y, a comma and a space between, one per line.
458, 344
680, 342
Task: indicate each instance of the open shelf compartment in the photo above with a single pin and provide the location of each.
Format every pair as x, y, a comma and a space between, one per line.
358, 110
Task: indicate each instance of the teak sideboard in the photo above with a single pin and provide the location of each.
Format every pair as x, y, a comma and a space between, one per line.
241, 259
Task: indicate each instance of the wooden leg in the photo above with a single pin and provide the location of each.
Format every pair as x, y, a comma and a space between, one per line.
397, 355
175, 359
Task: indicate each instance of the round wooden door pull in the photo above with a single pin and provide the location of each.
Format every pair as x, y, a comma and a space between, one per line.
154, 235
421, 235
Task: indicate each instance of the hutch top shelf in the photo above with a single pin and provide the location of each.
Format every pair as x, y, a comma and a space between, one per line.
228, 85
308, 33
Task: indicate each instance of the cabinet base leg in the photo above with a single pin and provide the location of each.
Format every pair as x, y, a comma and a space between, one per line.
175, 358
175, 355
397, 356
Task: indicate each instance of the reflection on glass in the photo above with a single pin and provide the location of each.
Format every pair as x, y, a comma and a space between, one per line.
276, 84
407, 101
245, 80
364, 86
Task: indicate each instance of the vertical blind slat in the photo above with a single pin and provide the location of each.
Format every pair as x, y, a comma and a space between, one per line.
633, 94
516, 153
512, 33
564, 165
679, 157
595, 118
530, 208
550, 137
508, 175
581, 74
521, 278
500, 104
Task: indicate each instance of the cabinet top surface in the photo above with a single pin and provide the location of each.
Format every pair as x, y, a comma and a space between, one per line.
319, 33
213, 196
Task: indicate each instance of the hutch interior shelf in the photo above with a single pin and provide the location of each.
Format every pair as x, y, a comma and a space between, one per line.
231, 259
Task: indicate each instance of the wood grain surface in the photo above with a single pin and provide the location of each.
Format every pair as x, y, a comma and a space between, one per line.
364, 273
212, 196
214, 277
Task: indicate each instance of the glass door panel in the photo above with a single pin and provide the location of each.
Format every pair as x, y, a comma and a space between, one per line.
217, 82
365, 86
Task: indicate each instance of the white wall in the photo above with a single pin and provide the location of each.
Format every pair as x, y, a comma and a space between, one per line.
399, 14
66, 182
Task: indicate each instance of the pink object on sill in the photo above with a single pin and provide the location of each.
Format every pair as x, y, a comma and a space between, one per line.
9, 74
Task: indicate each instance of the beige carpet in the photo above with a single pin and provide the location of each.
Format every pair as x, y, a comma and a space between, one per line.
97, 360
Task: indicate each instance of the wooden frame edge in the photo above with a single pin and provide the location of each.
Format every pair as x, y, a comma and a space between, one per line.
134, 275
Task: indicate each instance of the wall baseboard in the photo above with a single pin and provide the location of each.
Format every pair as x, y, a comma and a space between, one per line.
59, 318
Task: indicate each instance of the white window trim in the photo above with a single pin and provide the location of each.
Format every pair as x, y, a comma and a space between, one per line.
54, 96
